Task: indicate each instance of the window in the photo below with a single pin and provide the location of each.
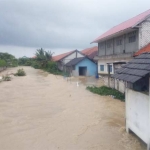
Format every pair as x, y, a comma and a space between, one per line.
101, 67
119, 42
109, 44
110, 68
132, 37
102, 45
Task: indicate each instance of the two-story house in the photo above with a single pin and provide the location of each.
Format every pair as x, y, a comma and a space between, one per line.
118, 45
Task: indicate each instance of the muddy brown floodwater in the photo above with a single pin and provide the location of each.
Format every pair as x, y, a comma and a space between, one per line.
45, 112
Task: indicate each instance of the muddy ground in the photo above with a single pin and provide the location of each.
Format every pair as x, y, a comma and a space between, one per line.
45, 112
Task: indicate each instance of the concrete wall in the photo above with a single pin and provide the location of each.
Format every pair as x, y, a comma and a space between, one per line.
116, 84
105, 68
144, 33
137, 114
110, 59
91, 67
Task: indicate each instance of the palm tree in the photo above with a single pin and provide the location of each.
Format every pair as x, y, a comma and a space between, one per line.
43, 57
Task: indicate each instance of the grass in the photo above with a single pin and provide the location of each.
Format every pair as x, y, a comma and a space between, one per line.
104, 90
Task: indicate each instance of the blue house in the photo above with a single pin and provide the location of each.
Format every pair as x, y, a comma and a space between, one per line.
81, 66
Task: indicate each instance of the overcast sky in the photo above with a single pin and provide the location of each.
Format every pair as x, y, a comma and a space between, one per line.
60, 25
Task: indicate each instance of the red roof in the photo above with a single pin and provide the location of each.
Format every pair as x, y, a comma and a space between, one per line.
143, 50
59, 57
125, 25
90, 52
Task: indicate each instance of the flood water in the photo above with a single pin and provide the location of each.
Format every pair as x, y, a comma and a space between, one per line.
42, 111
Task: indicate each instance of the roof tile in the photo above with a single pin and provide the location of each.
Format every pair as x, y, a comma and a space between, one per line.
90, 52
59, 57
134, 70
145, 49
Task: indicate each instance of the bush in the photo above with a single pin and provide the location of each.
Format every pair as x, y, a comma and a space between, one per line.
20, 72
35, 65
3, 63
6, 78
103, 90
52, 68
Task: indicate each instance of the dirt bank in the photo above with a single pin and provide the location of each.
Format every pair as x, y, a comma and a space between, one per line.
45, 112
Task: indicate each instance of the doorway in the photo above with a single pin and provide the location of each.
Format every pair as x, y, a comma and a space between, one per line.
82, 71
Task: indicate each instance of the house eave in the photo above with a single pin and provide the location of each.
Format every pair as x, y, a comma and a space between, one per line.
115, 56
115, 35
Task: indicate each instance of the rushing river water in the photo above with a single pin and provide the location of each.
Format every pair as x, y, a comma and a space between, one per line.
45, 112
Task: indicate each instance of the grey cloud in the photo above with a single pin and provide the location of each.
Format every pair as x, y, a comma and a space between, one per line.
61, 23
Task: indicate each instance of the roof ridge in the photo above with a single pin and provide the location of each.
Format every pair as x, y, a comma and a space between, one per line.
133, 17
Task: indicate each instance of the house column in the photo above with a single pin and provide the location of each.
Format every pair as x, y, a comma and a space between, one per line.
126, 109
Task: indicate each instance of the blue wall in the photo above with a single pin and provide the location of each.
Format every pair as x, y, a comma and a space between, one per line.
91, 67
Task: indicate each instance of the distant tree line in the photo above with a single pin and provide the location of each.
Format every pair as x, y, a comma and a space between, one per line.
7, 60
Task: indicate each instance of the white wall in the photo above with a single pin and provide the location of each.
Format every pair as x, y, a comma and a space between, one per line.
105, 68
137, 114
72, 56
144, 33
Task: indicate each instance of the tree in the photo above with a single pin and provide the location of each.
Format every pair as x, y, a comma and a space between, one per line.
2, 63
43, 57
8, 58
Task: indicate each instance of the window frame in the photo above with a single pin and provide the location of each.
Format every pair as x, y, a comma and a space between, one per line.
101, 68
111, 68
109, 43
119, 41
132, 37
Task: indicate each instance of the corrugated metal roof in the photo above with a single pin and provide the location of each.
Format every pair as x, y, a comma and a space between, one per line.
123, 26
134, 70
75, 61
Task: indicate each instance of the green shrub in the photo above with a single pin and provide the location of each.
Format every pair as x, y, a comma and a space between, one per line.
28, 63
20, 72
6, 78
35, 65
3, 63
52, 68
103, 90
